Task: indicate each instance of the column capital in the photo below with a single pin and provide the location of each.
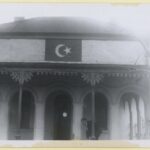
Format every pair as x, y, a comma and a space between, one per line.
92, 78
21, 76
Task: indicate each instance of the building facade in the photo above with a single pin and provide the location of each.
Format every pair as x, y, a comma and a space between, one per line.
62, 79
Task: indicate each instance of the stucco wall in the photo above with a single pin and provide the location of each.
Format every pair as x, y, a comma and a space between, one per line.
113, 52
16, 50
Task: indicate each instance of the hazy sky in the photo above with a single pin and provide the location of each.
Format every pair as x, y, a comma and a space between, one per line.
134, 18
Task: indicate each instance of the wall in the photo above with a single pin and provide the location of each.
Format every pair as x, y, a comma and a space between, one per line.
19, 50
93, 51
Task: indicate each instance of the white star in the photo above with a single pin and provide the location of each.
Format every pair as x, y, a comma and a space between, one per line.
67, 50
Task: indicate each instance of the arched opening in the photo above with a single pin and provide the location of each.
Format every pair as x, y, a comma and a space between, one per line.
132, 116
25, 131
58, 116
101, 113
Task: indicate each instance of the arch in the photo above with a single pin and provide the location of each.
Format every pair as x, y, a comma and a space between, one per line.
25, 130
60, 87
132, 89
58, 115
136, 117
14, 90
102, 90
101, 115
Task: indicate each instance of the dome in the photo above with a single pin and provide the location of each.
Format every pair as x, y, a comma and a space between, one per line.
59, 25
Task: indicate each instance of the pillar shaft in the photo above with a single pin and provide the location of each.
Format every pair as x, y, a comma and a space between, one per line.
93, 114
131, 120
20, 105
39, 121
114, 121
147, 114
4, 118
77, 116
138, 119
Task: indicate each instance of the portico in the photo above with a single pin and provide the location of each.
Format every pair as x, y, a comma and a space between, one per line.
74, 94
72, 84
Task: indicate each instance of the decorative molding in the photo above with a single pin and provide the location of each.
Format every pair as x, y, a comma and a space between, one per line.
58, 72
21, 76
92, 78
110, 72
134, 74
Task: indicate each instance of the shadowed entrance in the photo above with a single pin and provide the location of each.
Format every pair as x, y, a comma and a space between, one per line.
58, 116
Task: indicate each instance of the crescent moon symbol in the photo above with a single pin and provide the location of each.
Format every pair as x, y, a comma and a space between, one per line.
57, 50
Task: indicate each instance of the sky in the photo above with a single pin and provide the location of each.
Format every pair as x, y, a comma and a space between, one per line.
132, 18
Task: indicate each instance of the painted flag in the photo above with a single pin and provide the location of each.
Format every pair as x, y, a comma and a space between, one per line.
63, 50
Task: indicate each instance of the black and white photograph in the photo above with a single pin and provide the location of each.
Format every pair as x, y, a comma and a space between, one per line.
74, 72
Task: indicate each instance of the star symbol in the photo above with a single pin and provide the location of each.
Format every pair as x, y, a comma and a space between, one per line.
67, 50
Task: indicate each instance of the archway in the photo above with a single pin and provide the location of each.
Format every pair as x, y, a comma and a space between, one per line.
58, 116
132, 114
101, 113
25, 130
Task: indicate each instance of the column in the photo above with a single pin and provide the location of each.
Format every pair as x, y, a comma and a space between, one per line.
138, 119
93, 114
77, 116
39, 120
4, 117
147, 117
93, 78
114, 121
147, 109
131, 118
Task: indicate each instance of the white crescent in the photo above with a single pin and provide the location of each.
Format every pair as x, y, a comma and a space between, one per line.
57, 50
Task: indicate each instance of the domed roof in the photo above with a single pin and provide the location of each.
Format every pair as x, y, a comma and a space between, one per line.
58, 25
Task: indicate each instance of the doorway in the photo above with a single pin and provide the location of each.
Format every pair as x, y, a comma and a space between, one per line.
58, 116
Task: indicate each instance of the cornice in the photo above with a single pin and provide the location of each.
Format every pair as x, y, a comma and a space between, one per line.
127, 73
91, 76
81, 36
